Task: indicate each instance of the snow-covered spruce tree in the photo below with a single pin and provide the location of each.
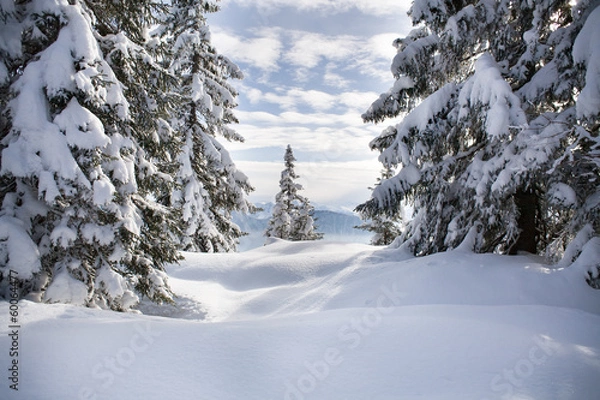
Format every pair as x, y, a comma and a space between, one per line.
303, 225
292, 217
499, 136
280, 224
209, 186
78, 223
135, 56
386, 227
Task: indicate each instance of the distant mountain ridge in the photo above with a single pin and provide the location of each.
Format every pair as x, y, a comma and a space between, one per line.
336, 224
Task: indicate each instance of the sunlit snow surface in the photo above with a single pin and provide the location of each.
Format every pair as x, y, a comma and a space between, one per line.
325, 320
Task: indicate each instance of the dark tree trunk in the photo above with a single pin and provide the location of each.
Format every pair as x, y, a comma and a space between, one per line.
527, 202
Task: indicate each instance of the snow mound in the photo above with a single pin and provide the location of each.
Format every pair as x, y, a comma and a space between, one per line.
286, 278
326, 320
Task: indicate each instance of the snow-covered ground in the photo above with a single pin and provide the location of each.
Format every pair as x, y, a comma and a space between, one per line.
324, 320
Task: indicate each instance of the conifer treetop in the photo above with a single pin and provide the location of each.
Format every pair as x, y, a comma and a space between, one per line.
292, 217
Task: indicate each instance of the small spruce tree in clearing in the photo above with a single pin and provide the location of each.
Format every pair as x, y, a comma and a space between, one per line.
386, 228
292, 214
304, 224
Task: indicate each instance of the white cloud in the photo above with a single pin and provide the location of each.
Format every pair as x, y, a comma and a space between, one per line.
381, 45
359, 101
318, 119
315, 99
253, 94
262, 51
350, 180
283, 101
333, 79
271, 49
367, 56
371, 7
309, 48
320, 101
261, 117
330, 136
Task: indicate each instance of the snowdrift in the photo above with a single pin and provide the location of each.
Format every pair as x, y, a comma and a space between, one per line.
322, 320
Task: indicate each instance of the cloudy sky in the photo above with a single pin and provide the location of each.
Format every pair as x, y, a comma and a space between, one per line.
311, 67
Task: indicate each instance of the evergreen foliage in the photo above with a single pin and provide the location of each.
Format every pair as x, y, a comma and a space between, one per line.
90, 151
500, 105
209, 186
386, 228
292, 217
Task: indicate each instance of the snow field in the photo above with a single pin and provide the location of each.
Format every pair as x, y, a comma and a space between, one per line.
322, 320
